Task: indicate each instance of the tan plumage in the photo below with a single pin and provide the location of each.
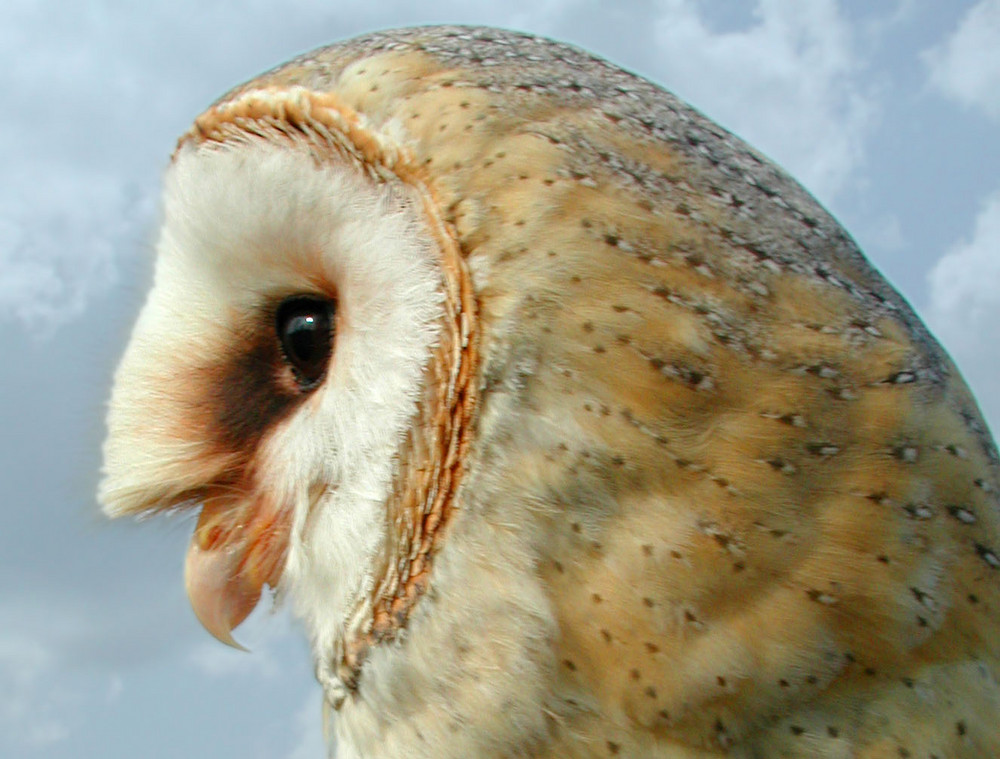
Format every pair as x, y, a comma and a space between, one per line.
681, 476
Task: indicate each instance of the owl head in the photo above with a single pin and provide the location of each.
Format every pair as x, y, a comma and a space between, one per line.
299, 371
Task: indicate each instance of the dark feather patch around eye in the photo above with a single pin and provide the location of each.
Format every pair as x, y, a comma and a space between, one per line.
246, 397
277, 361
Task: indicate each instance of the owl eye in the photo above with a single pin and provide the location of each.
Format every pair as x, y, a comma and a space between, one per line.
304, 327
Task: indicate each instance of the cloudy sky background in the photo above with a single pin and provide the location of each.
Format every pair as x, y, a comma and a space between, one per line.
888, 112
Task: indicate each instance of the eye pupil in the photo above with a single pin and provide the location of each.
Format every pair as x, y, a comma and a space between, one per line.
304, 327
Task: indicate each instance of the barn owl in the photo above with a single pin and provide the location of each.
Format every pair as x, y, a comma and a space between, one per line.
567, 424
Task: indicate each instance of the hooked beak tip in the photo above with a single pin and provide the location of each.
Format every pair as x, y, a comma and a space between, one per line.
220, 600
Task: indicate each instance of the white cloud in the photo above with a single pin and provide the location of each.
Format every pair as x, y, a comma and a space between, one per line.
68, 204
966, 66
116, 686
57, 254
887, 233
790, 84
876, 27
965, 306
28, 714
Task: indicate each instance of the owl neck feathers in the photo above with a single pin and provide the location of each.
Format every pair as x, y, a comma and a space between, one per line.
431, 468
430, 460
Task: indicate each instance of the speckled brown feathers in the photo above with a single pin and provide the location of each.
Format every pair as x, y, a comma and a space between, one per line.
723, 495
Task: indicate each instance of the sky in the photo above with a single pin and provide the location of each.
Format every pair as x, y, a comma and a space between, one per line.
888, 112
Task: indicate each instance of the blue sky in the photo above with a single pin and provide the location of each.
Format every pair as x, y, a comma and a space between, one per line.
888, 112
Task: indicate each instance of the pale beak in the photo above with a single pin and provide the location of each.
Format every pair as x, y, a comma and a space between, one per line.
235, 550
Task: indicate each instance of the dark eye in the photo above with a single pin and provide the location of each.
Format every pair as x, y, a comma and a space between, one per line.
305, 331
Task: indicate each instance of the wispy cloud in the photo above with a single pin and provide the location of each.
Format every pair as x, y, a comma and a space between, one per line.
966, 65
28, 715
791, 83
58, 254
965, 305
